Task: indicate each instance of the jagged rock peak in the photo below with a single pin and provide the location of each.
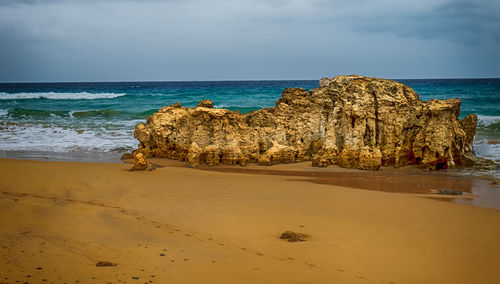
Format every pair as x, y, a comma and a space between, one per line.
350, 121
206, 103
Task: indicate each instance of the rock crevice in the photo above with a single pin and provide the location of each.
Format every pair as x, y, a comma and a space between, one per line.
350, 121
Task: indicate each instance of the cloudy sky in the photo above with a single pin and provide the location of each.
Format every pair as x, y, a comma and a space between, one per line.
133, 40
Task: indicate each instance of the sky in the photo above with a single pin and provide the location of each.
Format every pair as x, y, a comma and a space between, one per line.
155, 40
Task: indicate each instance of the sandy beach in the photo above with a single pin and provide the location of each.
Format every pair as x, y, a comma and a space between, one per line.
182, 225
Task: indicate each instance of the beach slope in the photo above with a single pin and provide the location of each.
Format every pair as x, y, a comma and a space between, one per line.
182, 225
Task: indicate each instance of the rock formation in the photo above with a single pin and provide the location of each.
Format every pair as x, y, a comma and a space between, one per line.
141, 163
293, 237
350, 121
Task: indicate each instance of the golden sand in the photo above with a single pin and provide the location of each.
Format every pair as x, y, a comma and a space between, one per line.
181, 225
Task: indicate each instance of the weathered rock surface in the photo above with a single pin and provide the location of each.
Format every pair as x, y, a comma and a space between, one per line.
350, 121
448, 192
141, 163
293, 236
104, 264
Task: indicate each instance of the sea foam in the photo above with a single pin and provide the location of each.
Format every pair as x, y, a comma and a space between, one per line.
484, 149
39, 137
486, 120
487, 133
60, 96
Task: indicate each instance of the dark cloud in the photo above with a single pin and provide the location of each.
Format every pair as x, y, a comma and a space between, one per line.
464, 21
90, 40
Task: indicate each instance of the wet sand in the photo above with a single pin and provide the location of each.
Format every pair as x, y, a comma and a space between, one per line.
181, 225
481, 190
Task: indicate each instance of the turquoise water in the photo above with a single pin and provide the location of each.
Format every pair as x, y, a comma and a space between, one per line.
98, 118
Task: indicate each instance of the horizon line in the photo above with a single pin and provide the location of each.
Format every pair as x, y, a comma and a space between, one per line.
235, 80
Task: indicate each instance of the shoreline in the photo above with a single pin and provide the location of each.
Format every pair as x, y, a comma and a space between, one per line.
75, 156
479, 188
482, 191
178, 225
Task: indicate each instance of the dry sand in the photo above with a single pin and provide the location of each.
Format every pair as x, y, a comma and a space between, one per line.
181, 225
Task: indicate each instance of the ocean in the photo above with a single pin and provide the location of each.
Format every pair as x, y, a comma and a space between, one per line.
95, 121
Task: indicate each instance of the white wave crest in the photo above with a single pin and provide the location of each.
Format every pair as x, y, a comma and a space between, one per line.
486, 120
40, 137
60, 96
3, 112
487, 150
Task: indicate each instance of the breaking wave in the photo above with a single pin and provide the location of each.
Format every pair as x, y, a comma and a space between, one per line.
59, 96
18, 113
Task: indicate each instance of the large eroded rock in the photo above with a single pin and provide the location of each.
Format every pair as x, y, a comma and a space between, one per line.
350, 121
